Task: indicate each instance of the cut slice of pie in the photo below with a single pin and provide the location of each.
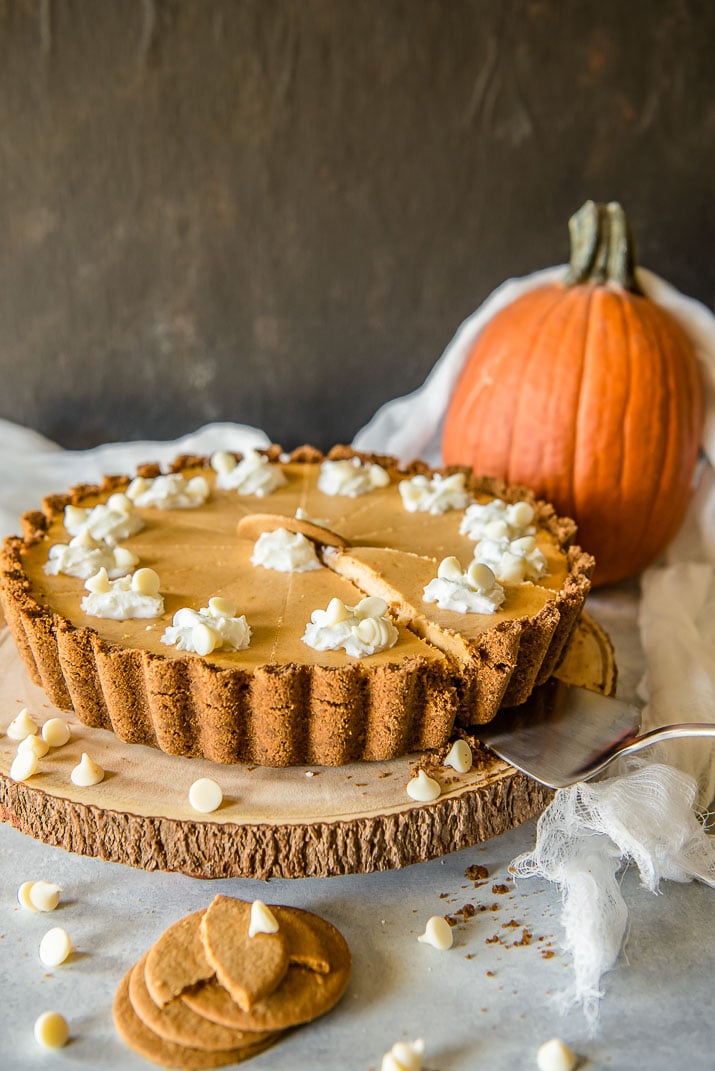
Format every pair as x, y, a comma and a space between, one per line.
280, 701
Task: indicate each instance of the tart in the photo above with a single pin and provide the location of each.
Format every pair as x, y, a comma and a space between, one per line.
279, 701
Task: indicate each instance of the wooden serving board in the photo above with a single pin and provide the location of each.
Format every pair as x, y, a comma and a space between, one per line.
295, 822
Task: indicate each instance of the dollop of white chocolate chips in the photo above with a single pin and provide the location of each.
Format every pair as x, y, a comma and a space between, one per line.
436, 495
51, 1030
404, 1056
108, 522
498, 520
212, 628
554, 1055
459, 757
134, 596
422, 788
172, 491
55, 947
22, 725
359, 630
84, 556
351, 477
438, 933
474, 591
512, 561
87, 772
205, 795
285, 552
253, 475
262, 919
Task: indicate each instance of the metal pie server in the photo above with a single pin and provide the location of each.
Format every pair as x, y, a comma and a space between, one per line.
565, 733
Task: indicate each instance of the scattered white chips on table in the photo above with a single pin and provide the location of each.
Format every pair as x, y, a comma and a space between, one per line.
438, 933
51, 1030
55, 947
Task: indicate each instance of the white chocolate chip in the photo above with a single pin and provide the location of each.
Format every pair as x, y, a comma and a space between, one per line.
34, 744
438, 933
23, 896
378, 476
203, 639
205, 795
523, 545
74, 517
262, 919
222, 607
24, 766
371, 606
404, 1056
124, 559
23, 725
44, 895
496, 530
51, 1030
336, 612
520, 514
55, 947
422, 788
554, 1055
223, 462
86, 773
119, 502
368, 630
146, 582
480, 576
449, 568
56, 732
459, 756
99, 583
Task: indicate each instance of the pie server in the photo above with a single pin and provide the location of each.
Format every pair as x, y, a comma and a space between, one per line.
565, 733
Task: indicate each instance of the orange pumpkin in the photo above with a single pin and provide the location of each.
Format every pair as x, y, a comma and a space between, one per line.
590, 394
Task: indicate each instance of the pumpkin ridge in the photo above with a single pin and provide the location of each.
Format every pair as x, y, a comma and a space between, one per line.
471, 397
683, 412
513, 471
578, 414
641, 537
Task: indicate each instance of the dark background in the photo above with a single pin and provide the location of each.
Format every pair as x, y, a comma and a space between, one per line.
278, 211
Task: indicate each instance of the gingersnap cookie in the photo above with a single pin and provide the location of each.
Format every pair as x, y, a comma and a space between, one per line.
303, 995
157, 1050
305, 934
175, 1022
177, 960
249, 968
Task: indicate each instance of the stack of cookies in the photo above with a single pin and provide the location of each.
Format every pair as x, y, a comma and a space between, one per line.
222, 984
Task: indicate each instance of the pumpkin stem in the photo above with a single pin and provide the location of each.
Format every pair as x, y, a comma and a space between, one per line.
602, 247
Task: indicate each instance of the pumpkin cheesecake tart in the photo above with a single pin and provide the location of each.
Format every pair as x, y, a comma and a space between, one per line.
285, 609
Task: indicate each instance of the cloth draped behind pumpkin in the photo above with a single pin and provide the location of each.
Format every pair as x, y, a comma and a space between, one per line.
645, 813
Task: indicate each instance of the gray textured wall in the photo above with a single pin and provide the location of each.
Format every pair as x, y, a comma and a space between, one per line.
277, 211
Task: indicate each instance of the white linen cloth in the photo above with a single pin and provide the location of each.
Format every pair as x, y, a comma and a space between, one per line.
646, 813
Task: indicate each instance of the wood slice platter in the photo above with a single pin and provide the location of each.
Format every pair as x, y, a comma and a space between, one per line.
295, 822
